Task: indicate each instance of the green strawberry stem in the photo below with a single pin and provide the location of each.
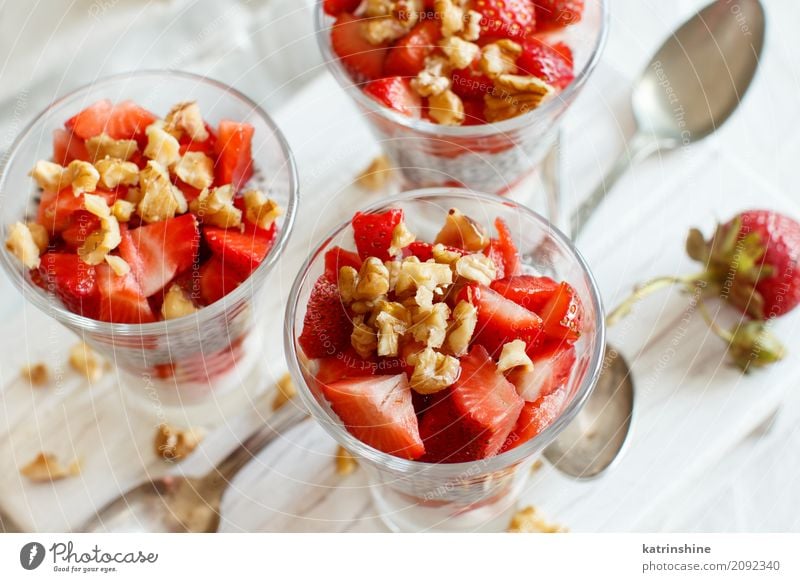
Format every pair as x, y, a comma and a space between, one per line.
646, 289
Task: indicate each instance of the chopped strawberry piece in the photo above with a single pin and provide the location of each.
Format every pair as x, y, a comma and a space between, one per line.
159, 251
189, 192
126, 120
552, 64
407, 57
537, 416
67, 147
395, 93
500, 320
336, 258
72, 281
242, 251
471, 83
473, 418
562, 314
326, 326
373, 232
234, 153
507, 18
121, 298
208, 147
558, 13
508, 250
363, 60
336, 7
424, 251
474, 111
216, 281
533, 293
348, 364
550, 371
81, 224
56, 208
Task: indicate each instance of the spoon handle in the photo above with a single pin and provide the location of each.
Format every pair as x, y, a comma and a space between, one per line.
638, 148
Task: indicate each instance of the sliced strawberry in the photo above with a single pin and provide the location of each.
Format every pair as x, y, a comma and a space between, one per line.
348, 364
474, 417
68, 147
378, 412
507, 18
189, 192
533, 293
424, 251
562, 314
471, 83
552, 64
159, 251
537, 416
336, 258
373, 232
242, 251
126, 120
81, 224
56, 209
121, 298
407, 57
558, 13
395, 93
234, 153
208, 147
215, 281
474, 111
363, 60
550, 371
336, 7
508, 250
326, 326
500, 320
72, 281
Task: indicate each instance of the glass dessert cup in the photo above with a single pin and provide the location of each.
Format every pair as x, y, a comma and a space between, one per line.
180, 361
490, 157
477, 495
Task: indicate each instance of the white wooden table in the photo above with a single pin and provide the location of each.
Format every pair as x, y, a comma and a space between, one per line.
692, 410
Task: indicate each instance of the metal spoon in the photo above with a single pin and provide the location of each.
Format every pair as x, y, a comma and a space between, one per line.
175, 504
692, 85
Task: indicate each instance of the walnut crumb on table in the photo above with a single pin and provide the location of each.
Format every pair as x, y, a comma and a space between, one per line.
346, 463
37, 374
286, 391
173, 444
86, 361
46, 467
528, 521
375, 177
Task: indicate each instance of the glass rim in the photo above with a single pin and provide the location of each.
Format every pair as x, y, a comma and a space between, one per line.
333, 64
335, 428
44, 301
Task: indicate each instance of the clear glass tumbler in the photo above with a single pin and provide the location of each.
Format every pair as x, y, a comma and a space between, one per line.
488, 158
479, 495
185, 360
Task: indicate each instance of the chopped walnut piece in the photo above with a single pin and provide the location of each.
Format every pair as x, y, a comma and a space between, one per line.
451, 15
460, 231
348, 279
162, 147
134, 196
98, 244
465, 319
345, 461
500, 57
527, 521
21, 243
86, 361
373, 280
383, 29
460, 52
424, 278
46, 467
196, 169
185, 117
434, 372
392, 320
104, 146
363, 339
446, 108
537, 466
472, 26
216, 207
441, 254
285, 391
114, 172
37, 374
430, 324
376, 175
175, 445
39, 234
515, 95
477, 267
426, 84
160, 198
122, 210
118, 265
513, 356
83, 177
50, 176
260, 210
177, 303
401, 238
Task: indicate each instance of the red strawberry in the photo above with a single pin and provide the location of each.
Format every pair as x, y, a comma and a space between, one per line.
159, 251
68, 147
507, 18
561, 316
474, 112
552, 64
537, 416
505, 244
121, 298
500, 320
373, 232
407, 57
56, 209
558, 13
82, 223
242, 251
336, 7
470, 82
363, 60
424, 251
395, 93
531, 292
378, 411
215, 281
126, 120
208, 147
348, 364
234, 153
336, 258
550, 371
326, 326
72, 281
473, 418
